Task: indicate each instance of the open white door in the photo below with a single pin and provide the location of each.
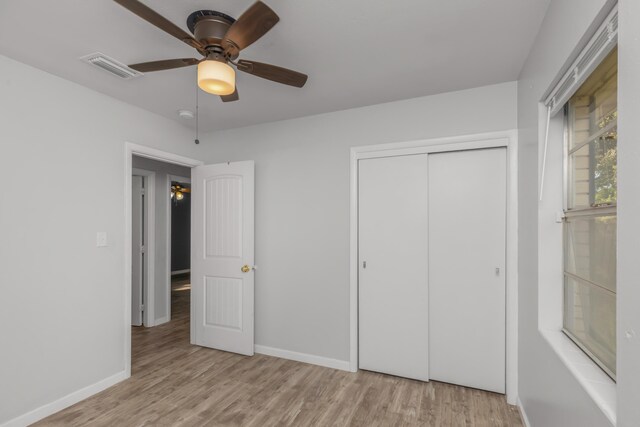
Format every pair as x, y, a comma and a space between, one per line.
137, 249
222, 256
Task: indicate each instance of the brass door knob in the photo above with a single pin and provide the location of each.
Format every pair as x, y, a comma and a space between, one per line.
245, 269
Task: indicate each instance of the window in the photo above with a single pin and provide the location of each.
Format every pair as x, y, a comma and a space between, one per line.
590, 215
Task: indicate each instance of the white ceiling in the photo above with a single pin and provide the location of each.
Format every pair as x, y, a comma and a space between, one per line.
356, 52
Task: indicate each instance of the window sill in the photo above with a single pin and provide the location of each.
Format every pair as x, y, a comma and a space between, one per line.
595, 382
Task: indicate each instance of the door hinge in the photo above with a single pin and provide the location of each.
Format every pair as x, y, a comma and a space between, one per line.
143, 249
143, 191
141, 307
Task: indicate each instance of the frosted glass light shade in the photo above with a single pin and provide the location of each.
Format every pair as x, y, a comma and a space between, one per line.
216, 77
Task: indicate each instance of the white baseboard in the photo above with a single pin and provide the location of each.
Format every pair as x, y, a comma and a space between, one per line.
64, 402
342, 365
160, 321
523, 414
175, 273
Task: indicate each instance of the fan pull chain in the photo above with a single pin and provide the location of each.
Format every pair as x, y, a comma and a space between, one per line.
197, 141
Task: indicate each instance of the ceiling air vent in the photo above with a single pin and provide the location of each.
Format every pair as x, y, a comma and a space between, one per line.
111, 65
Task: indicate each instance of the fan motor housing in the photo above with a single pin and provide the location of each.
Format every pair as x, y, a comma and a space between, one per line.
209, 27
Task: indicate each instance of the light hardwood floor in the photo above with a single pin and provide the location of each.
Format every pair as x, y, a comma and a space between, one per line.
175, 383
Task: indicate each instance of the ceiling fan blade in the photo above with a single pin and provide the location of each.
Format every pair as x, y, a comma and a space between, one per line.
272, 72
165, 64
159, 21
229, 98
253, 24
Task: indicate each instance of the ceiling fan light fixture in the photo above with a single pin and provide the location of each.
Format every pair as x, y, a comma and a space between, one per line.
216, 77
219, 38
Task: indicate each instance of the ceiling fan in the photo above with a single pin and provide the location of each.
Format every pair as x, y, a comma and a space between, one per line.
178, 192
219, 38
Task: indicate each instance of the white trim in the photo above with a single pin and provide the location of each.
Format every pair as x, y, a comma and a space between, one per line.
512, 268
175, 273
151, 153
312, 359
506, 139
353, 262
66, 401
149, 317
523, 413
182, 179
598, 385
162, 320
162, 156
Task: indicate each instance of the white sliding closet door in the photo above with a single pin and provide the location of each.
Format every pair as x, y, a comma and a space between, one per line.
467, 232
393, 318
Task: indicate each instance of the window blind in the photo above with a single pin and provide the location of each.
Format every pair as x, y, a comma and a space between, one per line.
602, 42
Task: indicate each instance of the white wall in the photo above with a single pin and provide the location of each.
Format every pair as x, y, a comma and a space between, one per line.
62, 167
162, 257
550, 394
629, 215
302, 203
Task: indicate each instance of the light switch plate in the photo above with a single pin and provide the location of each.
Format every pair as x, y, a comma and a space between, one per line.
101, 239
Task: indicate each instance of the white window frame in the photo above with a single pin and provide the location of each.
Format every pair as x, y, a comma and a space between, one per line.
595, 382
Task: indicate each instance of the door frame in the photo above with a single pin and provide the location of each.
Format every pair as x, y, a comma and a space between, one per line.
148, 300
507, 139
131, 149
171, 178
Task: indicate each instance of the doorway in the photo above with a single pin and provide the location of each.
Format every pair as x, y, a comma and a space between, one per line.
161, 236
160, 191
158, 302
221, 311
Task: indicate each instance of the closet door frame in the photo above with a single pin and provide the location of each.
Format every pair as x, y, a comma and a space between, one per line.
507, 139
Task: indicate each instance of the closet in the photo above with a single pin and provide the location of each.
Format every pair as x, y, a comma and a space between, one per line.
431, 279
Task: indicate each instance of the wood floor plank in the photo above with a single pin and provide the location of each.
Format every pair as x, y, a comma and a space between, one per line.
176, 384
